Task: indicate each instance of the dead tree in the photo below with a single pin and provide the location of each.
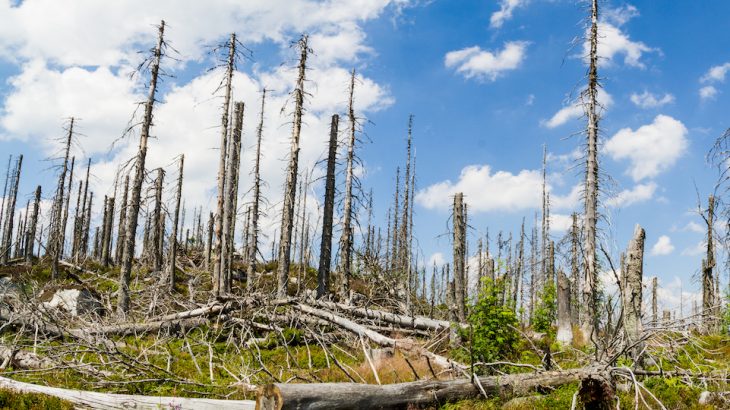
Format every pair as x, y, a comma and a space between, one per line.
64, 220
346, 240
56, 233
709, 310
632, 291
86, 226
229, 208
139, 164
79, 221
325, 250
459, 255
654, 312
404, 253
122, 219
287, 215
218, 273
156, 230
106, 241
7, 238
209, 242
32, 226
565, 332
253, 240
589, 320
173, 235
5, 193
575, 292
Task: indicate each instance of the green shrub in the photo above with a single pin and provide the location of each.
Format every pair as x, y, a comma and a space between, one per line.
493, 324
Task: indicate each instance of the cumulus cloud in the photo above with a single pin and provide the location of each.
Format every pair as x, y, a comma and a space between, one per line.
716, 73
560, 222
649, 100
436, 259
486, 190
663, 246
473, 62
650, 149
639, 193
506, 8
708, 92
575, 110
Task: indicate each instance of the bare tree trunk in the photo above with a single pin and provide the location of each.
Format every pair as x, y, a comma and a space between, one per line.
565, 332
5, 194
403, 251
346, 239
64, 220
31, 231
219, 282
133, 211
10, 213
107, 236
56, 237
589, 321
231, 193
459, 254
79, 222
325, 252
575, 292
303, 236
544, 240
395, 248
519, 270
253, 240
173, 235
287, 216
86, 226
209, 242
122, 219
155, 223
654, 313
709, 310
632, 292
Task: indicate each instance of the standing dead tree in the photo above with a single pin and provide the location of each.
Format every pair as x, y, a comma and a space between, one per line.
287, 215
231, 194
139, 164
253, 240
157, 224
709, 298
7, 234
459, 232
5, 193
219, 282
325, 250
631, 292
589, 320
346, 241
173, 235
33, 226
55, 242
122, 220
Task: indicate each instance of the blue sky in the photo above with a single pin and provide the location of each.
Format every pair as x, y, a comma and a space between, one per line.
489, 82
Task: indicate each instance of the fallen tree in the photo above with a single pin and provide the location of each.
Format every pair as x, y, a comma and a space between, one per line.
95, 400
414, 322
595, 387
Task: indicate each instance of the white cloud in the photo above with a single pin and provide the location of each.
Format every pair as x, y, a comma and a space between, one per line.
663, 246
619, 16
473, 62
639, 193
560, 222
506, 8
575, 110
697, 249
650, 149
708, 92
613, 42
716, 73
480, 184
649, 100
693, 226
437, 259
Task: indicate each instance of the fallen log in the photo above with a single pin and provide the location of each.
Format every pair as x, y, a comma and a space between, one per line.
95, 400
404, 345
413, 322
21, 359
406, 395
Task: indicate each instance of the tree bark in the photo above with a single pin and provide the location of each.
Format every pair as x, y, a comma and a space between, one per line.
33, 226
565, 332
287, 216
709, 310
10, 213
346, 240
133, 211
459, 255
229, 205
173, 234
253, 240
325, 252
632, 291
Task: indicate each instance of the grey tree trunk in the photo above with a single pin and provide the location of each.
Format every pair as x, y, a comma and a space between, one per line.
209, 242
156, 224
133, 211
6, 242
231, 193
709, 310
5, 193
107, 236
33, 225
122, 218
56, 235
64, 220
80, 222
654, 312
575, 271
325, 250
565, 332
459, 255
173, 235
404, 253
632, 292
253, 240
86, 226
287, 216
346, 240
219, 282
589, 321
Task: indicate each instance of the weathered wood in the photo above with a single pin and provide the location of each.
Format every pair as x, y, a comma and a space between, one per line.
173, 235
415, 322
459, 256
253, 231
632, 291
95, 400
408, 395
565, 332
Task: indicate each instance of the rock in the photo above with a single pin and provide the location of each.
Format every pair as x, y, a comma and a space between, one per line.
77, 301
706, 397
